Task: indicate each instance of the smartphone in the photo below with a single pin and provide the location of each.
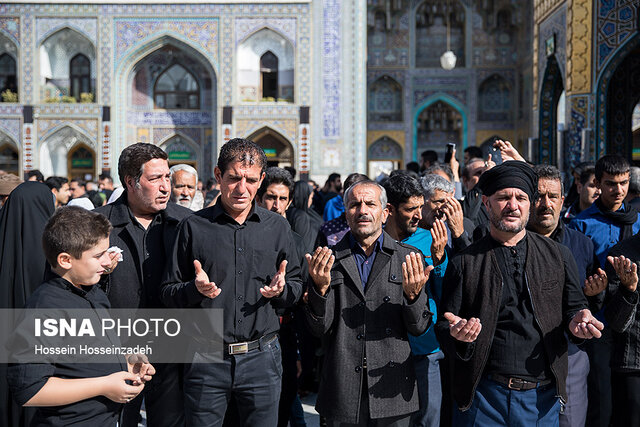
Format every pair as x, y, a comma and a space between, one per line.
449, 152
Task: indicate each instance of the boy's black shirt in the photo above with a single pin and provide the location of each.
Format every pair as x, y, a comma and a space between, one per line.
25, 380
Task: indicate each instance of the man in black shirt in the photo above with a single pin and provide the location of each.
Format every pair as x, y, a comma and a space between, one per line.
234, 256
144, 227
520, 293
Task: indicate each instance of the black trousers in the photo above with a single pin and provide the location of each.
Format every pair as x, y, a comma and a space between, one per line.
163, 399
253, 379
599, 380
626, 398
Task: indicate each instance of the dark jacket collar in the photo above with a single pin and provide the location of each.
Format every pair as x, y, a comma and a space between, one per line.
120, 213
343, 247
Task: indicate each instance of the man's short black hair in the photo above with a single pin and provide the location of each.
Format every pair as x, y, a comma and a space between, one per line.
429, 156
586, 174
80, 182
211, 182
473, 151
106, 176
611, 164
292, 171
401, 187
413, 167
133, 158
241, 150
551, 173
73, 230
275, 175
36, 173
334, 176
56, 182
353, 178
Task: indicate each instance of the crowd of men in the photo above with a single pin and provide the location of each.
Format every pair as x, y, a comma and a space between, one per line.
443, 294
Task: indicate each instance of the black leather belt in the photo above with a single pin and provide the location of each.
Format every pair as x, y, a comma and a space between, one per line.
519, 384
245, 347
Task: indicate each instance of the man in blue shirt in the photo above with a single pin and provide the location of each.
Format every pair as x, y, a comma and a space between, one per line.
405, 203
606, 222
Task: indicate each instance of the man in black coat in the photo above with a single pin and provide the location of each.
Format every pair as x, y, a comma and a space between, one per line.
507, 301
145, 227
364, 301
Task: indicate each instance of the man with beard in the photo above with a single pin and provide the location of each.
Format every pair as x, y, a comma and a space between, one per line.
507, 301
606, 222
366, 297
145, 226
405, 202
545, 220
184, 179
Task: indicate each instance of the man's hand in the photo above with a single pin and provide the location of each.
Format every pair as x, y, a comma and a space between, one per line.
626, 270
507, 151
462, 329
455, 218
115, 387
205, 287
585, 326
489, 163
115, 259
139, 365
277, 283
320, 264
439, 239
596, 283
455, 166
414, 275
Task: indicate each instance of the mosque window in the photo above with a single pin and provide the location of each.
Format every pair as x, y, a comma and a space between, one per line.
9, 158
176, 88
495, 99
80, 76
8, 77
385, 100
269, 75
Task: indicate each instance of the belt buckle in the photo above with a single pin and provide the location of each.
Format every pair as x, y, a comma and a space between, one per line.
512, 386
239, 348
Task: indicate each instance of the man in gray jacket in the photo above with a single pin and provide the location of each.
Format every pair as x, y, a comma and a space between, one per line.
366, 296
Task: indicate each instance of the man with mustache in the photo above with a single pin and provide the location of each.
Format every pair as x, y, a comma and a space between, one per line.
606, 222
507, 301
545, 220
405, 203
184, 180
367, 296
145, 226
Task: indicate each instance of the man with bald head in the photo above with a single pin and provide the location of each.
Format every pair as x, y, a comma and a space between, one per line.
507, 301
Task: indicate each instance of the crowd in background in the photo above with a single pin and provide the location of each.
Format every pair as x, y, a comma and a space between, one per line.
598, 200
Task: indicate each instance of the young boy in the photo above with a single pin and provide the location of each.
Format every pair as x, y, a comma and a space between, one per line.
75, 243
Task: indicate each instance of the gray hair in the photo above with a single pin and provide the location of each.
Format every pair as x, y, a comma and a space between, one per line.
634, 180
431, 183
383, 192
183, 167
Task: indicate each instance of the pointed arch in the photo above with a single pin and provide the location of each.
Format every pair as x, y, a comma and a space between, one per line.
127, 117
385, 100
450, 101
57, 144
277, 147
495, 99
551, 91
9, 154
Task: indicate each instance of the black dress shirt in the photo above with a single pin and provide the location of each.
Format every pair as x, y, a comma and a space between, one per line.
240, 259
517, 348
26, 380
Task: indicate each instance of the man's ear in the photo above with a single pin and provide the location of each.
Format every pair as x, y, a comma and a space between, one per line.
485, 201
218, 174
390, 209
64, 260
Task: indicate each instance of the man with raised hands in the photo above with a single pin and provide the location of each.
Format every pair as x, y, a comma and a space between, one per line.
233, 256
507, 301
367, 296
